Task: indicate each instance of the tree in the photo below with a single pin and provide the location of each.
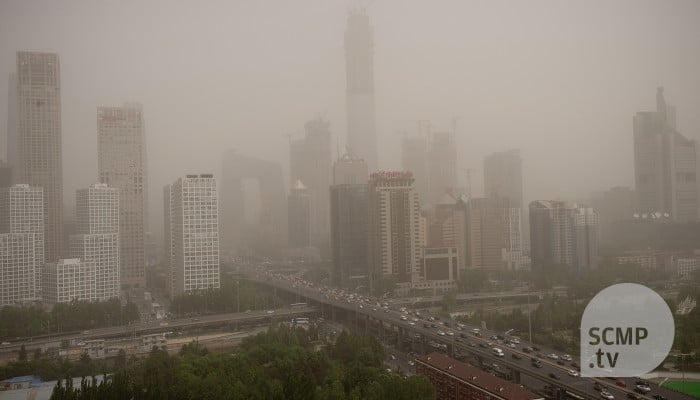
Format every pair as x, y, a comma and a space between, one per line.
22, 353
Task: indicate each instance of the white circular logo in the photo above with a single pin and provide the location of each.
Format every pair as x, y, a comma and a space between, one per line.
626, 330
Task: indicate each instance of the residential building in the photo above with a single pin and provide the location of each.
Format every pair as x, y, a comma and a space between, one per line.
394, 222
454, 380
21, 243
39, 158
96, 242
194, 234
121, 160
299, 203
665, 164
310, 163
447, 228
359, 69
69, 280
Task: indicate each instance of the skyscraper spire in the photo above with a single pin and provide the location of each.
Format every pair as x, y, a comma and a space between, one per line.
359, 69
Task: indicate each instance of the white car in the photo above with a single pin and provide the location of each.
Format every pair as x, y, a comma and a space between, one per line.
606, 395
553, 356
573, 373
411, 362
404, 318
511, 345
441, 333
566, 357
450, 333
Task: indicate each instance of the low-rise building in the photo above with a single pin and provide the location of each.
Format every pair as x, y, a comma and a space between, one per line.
158, 340
95, 348
454, 380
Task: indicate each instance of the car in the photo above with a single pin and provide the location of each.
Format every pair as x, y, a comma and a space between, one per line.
606, 395
393, 357
536, 363
450, 333
270, 311
411, 362
552, 356
575, 365
511, 345
515, 340
597, 386
516, 356
441, 333
643, 389
527, 349
553, 375
561, 362
494, 337
411, 323
484, 345
566, 357
5, 344
641, 382
404, 318
659, 397
621, 383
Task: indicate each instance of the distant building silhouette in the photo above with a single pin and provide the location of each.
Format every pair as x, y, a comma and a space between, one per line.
39, 157
562, 233
665, 164
310, 163
270, 227
121, 161
299, 209
359, 69
349, 200
5, 175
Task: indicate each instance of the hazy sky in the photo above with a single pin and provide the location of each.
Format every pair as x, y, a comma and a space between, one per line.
560, 80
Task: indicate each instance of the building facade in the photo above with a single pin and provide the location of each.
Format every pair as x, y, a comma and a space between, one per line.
359, 70
121, 160
349, 234
22, 250
394, 223
665, 165
96, 242
299, 205
563, 233
432, 158
38, 124
310, 163
194, 234
69, 280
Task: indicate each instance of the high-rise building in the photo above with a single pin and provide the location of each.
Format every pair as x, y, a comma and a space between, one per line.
447, 228
612, 206
349, 234
310, 163
269, 225
503, 177
394, 223
38, 124
432, 159
359, 70
69, 280
562, 233
194, 234
350, 170
121, 159
442, 166
96, 243
21, 243
12, 127
300, 219
5, 175
665, 164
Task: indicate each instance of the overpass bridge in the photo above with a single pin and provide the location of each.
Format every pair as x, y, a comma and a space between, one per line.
393, 325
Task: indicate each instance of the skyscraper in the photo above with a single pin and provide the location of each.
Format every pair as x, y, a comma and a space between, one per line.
38, 123
562, 233
359, 70
310, 163
21, 243
194, 234
394, 223
432, 159
121, 159
665, 164
414, 158
350, 170
96, 243
300, 218
503, 177
5, 175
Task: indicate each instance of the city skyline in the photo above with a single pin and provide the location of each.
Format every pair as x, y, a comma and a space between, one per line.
595, 118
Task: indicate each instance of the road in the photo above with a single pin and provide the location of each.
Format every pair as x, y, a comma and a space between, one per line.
471, 346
